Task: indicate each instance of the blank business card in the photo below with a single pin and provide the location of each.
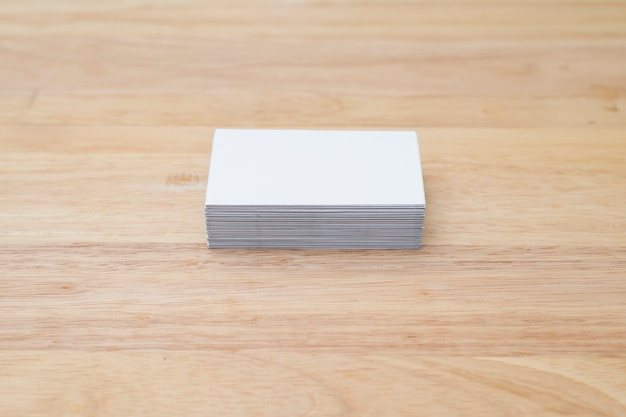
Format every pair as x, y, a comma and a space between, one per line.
315, 189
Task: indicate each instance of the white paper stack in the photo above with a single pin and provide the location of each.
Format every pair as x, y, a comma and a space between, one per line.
315, 189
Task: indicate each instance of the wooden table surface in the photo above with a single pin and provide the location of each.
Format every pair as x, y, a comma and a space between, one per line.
112, 305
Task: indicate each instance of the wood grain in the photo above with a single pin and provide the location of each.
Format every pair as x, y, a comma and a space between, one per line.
111, 304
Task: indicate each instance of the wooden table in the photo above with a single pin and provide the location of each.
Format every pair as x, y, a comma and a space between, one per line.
112, 305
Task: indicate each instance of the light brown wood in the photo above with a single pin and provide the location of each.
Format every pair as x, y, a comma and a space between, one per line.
111, 304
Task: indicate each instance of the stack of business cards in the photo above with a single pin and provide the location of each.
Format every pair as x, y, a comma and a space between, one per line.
315, 189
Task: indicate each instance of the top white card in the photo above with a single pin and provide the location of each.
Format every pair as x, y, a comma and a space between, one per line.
315, 167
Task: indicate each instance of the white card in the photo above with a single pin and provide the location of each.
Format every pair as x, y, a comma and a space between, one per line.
315, 167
